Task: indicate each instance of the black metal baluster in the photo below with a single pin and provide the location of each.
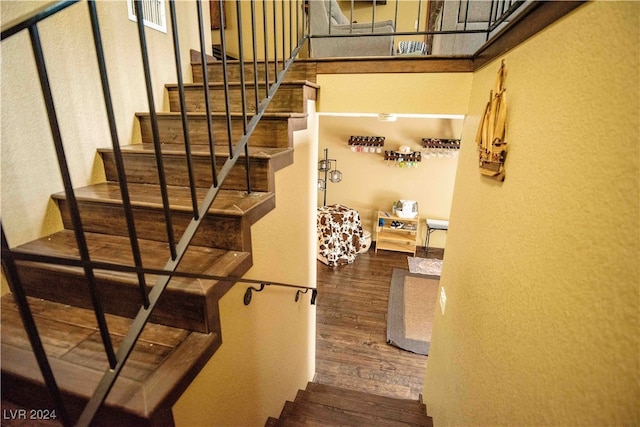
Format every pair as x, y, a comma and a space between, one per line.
419, 15
373, 17
20, 298
225, 78
275, 40
395, 19
154, 130
290, 26
122, 177
243, 89
255, 54
266, 46
490, 20
71, 197
350, 18
183, 110
298, 26
243, 97
284, 33
205, 83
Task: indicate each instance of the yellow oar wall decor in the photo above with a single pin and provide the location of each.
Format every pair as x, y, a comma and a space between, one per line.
492, 131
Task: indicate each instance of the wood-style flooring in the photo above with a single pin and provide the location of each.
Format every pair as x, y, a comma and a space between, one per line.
351, 347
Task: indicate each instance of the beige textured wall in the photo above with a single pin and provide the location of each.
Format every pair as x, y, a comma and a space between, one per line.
413, 93
268, 349
541, 272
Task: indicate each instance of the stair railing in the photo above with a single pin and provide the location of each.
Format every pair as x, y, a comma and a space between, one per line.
281, 61
428, 15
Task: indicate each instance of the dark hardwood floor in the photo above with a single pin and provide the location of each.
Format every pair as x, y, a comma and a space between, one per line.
351, 347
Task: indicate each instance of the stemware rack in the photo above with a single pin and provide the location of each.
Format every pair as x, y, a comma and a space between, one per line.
366, 144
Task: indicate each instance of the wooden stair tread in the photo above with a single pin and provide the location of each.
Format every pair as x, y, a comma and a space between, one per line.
273, 130
248, 83
363, 406
198, 150
188, 303
303, 411
291, 96
236, 115
160, 368
299, 70
400, 404
227, 203
117, 249
322, 405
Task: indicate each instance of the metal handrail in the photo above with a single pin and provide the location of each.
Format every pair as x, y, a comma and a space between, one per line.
500, 12
178, 248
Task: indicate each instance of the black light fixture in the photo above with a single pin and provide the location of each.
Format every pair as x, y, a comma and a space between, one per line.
330, 169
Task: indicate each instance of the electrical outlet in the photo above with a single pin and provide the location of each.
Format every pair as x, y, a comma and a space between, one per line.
443, 300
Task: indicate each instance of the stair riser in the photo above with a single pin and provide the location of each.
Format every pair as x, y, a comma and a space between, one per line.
119, 295
298, 71
270, 132
288, 99
141, 168
223, 232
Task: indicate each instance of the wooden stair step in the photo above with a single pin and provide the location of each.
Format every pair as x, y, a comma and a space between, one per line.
406, 405
140, 164
304, 412
187, 303
291, 96
226, 226
273, 130
368, 407
163, 363
299, 70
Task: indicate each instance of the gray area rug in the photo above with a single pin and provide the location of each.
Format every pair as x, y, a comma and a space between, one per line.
412, 306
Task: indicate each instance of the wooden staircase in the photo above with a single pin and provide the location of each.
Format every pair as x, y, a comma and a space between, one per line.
185, 330
324, 405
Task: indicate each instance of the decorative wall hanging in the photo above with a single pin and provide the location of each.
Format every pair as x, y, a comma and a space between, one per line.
366, 144
440, 147
492, 131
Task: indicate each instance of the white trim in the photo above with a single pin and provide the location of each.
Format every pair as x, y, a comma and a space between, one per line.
157, 19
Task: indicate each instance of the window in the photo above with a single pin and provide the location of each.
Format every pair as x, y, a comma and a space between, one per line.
153, 12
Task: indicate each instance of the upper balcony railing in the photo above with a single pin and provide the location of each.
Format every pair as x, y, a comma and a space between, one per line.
353, 28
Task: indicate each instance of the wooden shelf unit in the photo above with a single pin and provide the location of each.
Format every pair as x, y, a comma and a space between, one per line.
396, 239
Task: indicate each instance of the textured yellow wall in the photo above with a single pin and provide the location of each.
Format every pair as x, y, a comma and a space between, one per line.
268, 349
541, 272
434, 93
